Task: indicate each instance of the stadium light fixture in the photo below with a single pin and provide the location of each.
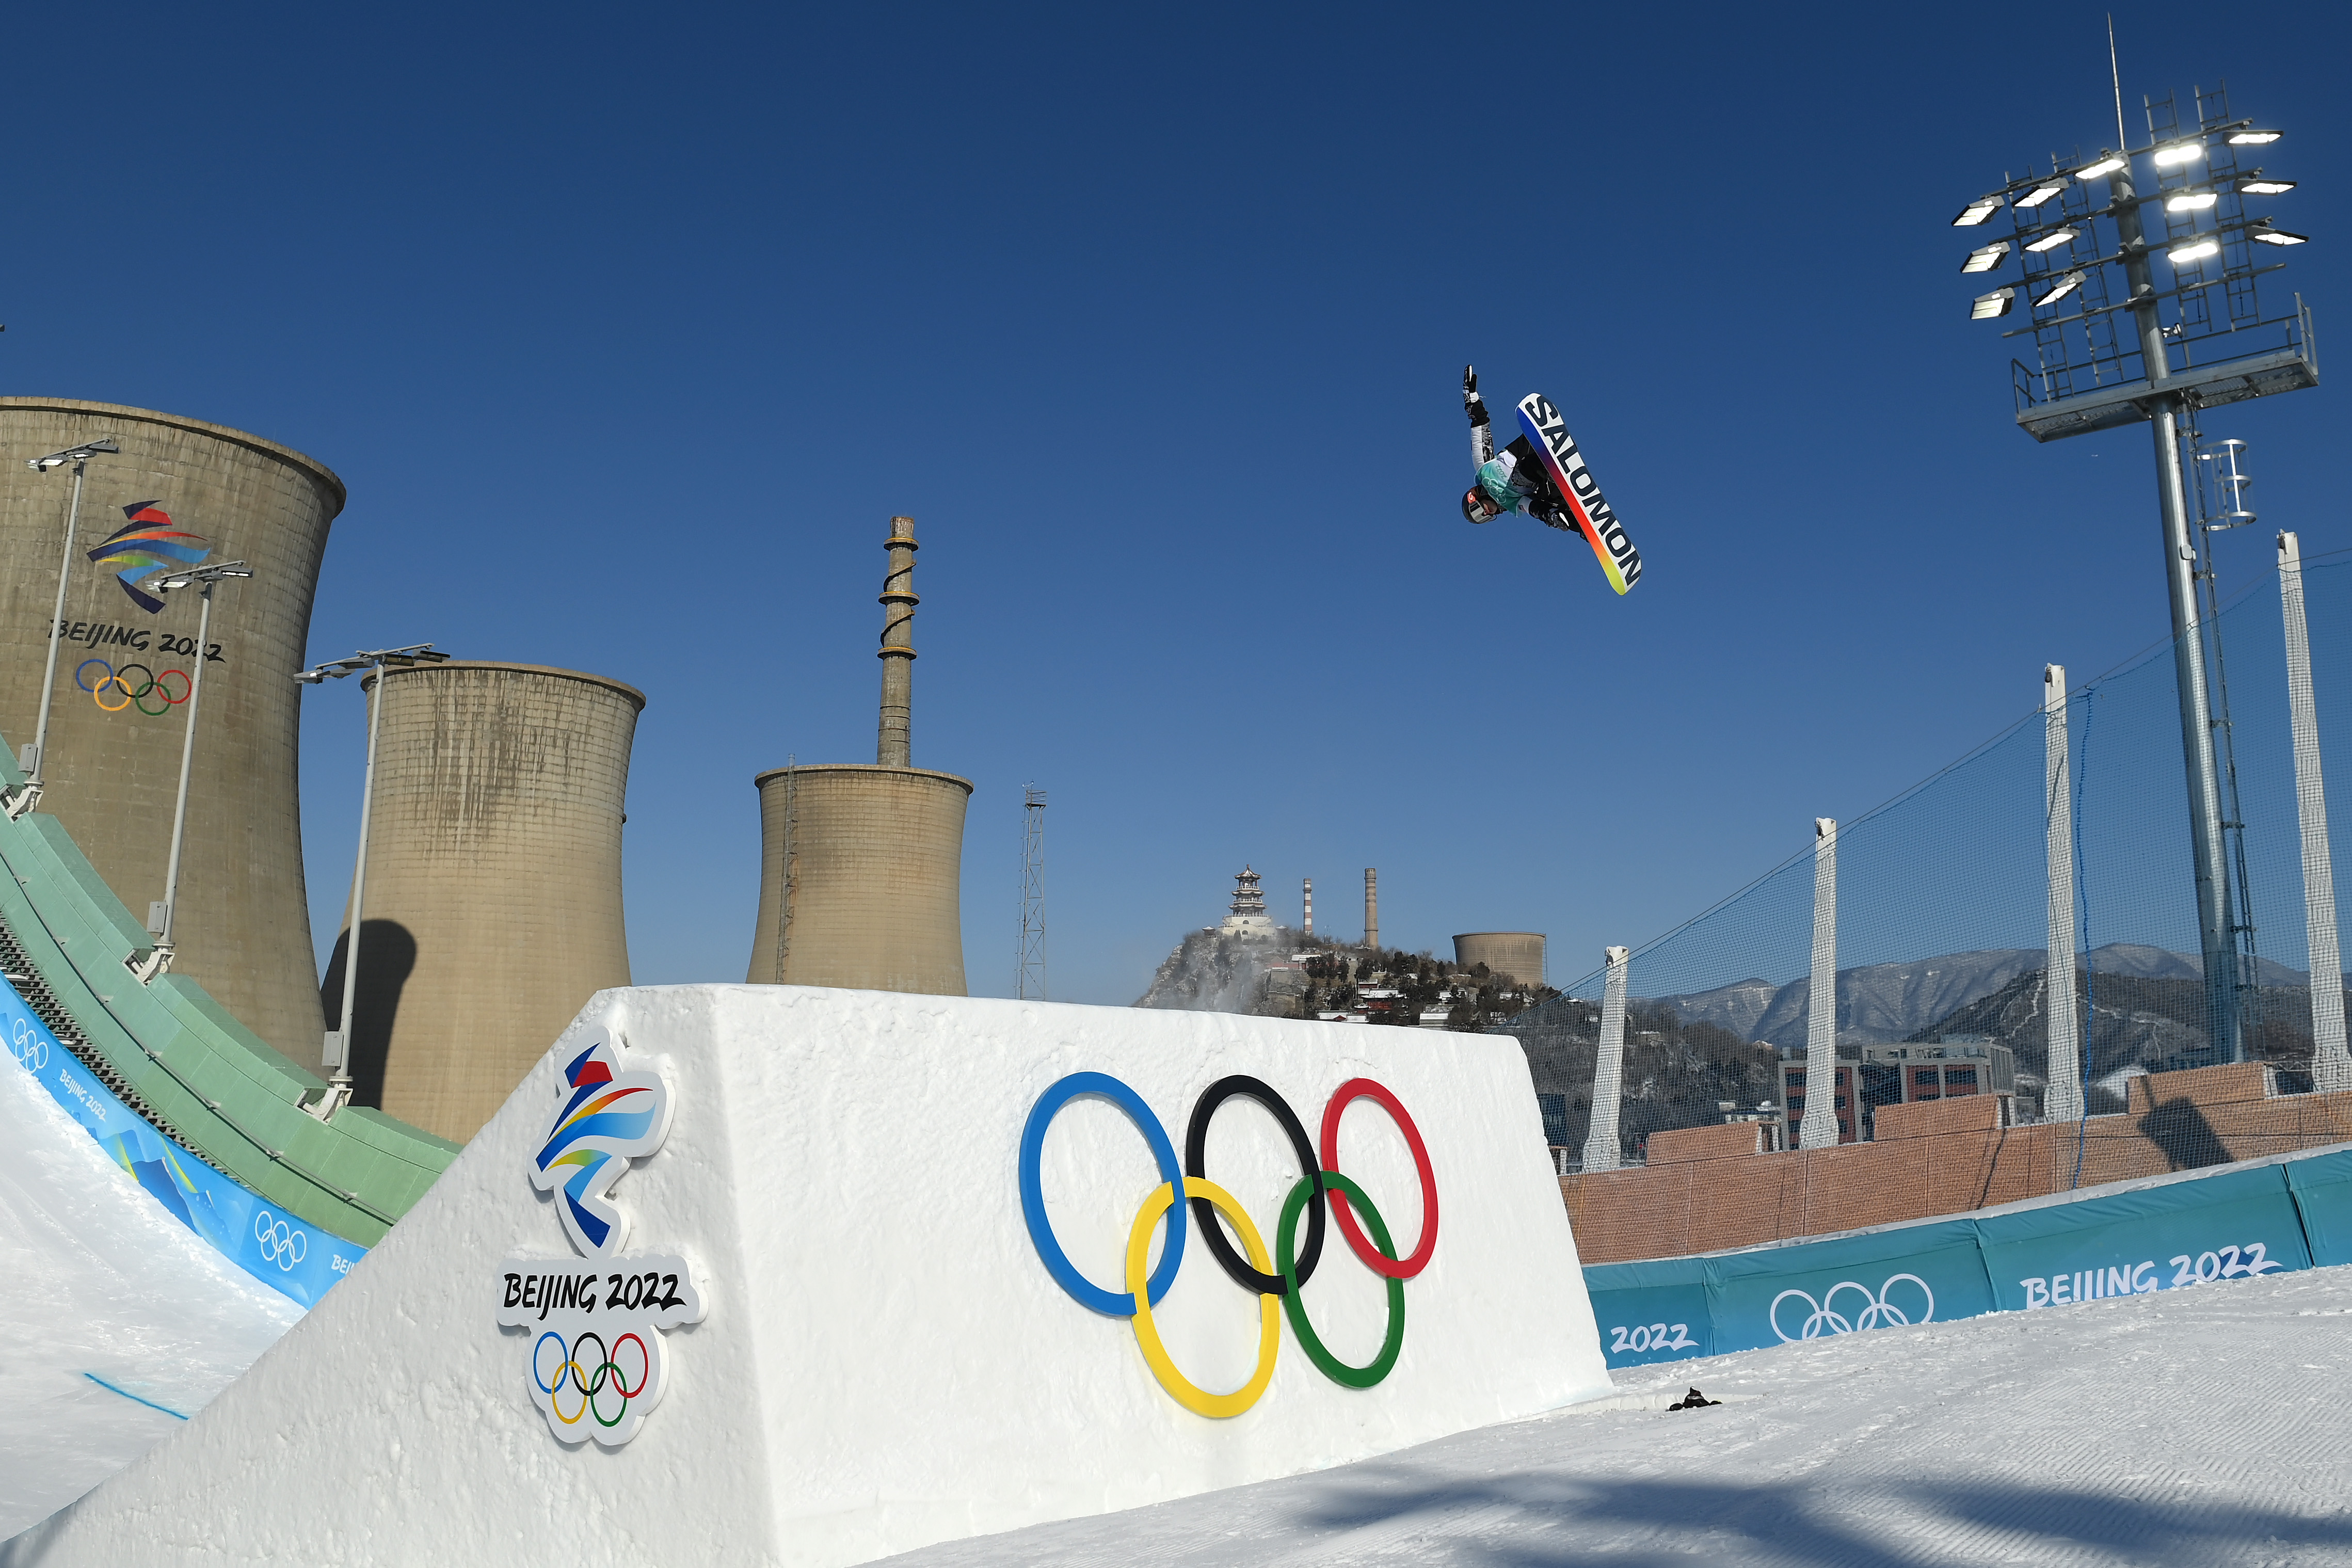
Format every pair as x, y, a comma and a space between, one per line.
2060, 290
147, 963
2051, 241
27, 794
1985, 258
2147, 354
337, 1054
1976, 211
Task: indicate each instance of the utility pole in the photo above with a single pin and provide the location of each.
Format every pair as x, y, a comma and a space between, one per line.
27, 795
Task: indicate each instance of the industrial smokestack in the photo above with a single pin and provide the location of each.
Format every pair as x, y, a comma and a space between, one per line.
861, 866
893, 743
1307, 896
1372, 907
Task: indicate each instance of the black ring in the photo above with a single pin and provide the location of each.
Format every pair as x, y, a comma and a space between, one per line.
1196, 1143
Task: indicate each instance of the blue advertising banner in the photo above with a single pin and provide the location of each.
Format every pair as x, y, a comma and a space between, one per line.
2240, 1222
291, 1256
1922, 1274
1653, 1311
2224, 1227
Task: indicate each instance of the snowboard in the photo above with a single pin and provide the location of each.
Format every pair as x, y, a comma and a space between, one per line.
1580, 490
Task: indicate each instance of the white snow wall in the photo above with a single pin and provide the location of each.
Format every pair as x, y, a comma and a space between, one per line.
886, 1363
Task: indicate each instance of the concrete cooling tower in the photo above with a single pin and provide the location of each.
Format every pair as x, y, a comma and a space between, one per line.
111, 768
1517, 954
861, 866
493, 887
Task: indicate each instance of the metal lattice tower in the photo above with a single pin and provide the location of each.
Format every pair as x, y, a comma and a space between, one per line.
1029, 972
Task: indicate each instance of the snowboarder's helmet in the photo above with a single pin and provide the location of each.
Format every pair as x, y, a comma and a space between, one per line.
1478, 506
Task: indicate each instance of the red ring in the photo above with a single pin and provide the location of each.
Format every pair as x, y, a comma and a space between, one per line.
1360, 1088
644, 1372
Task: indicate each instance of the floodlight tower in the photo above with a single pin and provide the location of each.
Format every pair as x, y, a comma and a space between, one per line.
2156, 355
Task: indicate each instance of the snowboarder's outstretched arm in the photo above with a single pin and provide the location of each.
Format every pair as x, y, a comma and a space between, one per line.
1482, 438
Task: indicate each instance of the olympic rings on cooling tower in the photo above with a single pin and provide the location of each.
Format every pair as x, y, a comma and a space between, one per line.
1282, 1277
591, 1385
148, 684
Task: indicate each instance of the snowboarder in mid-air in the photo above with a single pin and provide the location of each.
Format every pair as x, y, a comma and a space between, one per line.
1510, 480
1543, 474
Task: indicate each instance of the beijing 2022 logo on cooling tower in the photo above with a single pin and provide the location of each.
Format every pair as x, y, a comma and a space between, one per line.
1283, 1277
598, 1363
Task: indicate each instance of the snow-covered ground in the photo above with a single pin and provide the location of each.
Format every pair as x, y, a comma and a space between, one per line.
2202, 1426
121, 1320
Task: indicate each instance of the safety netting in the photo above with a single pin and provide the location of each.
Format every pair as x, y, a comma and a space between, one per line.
1942, 920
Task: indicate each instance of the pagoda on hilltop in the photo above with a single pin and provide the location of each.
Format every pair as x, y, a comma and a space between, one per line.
1249, 918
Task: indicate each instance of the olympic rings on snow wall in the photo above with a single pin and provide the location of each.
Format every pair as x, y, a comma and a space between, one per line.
2291, 1212
289, 1254
1278, 1278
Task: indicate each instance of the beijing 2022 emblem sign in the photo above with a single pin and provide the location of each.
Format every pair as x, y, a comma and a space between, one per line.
598, 1361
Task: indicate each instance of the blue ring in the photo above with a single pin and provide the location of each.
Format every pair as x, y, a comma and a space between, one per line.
561, 1376
1113, 1303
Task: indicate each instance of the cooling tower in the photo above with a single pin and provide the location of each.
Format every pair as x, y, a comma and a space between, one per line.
493, 882
1517, 954
860, 867
243, 925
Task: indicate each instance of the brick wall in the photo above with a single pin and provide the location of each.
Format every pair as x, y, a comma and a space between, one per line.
1708, 1188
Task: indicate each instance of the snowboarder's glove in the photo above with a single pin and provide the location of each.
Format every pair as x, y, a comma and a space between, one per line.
1472, 403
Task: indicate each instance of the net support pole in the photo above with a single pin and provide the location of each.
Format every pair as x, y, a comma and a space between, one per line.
1600, 1141
1820, 1128
2331, 1064
2062, 1098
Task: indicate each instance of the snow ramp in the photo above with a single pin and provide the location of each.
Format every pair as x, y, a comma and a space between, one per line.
122, 1322
877, 1258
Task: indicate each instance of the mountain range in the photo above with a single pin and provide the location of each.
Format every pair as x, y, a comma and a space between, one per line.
1879, 1004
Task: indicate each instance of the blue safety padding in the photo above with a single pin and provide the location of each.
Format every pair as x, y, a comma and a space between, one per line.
2322, 1190
291, 1256
2237, 1222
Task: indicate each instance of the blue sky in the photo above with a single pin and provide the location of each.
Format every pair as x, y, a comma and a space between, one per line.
641, 323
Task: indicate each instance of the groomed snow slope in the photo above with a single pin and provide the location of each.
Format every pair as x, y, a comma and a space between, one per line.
2199, 1427
98, 1283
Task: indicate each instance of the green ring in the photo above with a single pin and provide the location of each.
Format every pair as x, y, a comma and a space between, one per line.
1293, 1302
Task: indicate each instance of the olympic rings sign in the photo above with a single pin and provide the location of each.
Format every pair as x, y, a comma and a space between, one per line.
590, 1384
134, 691
598, 1356
28, 1047
1283, 1276
1875, 1312
281, 1244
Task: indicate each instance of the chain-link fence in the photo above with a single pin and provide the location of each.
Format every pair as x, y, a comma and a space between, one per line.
1942, 926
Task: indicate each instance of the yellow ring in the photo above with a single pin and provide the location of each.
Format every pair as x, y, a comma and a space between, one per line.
1186, 1393
573, 1368
112, 680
